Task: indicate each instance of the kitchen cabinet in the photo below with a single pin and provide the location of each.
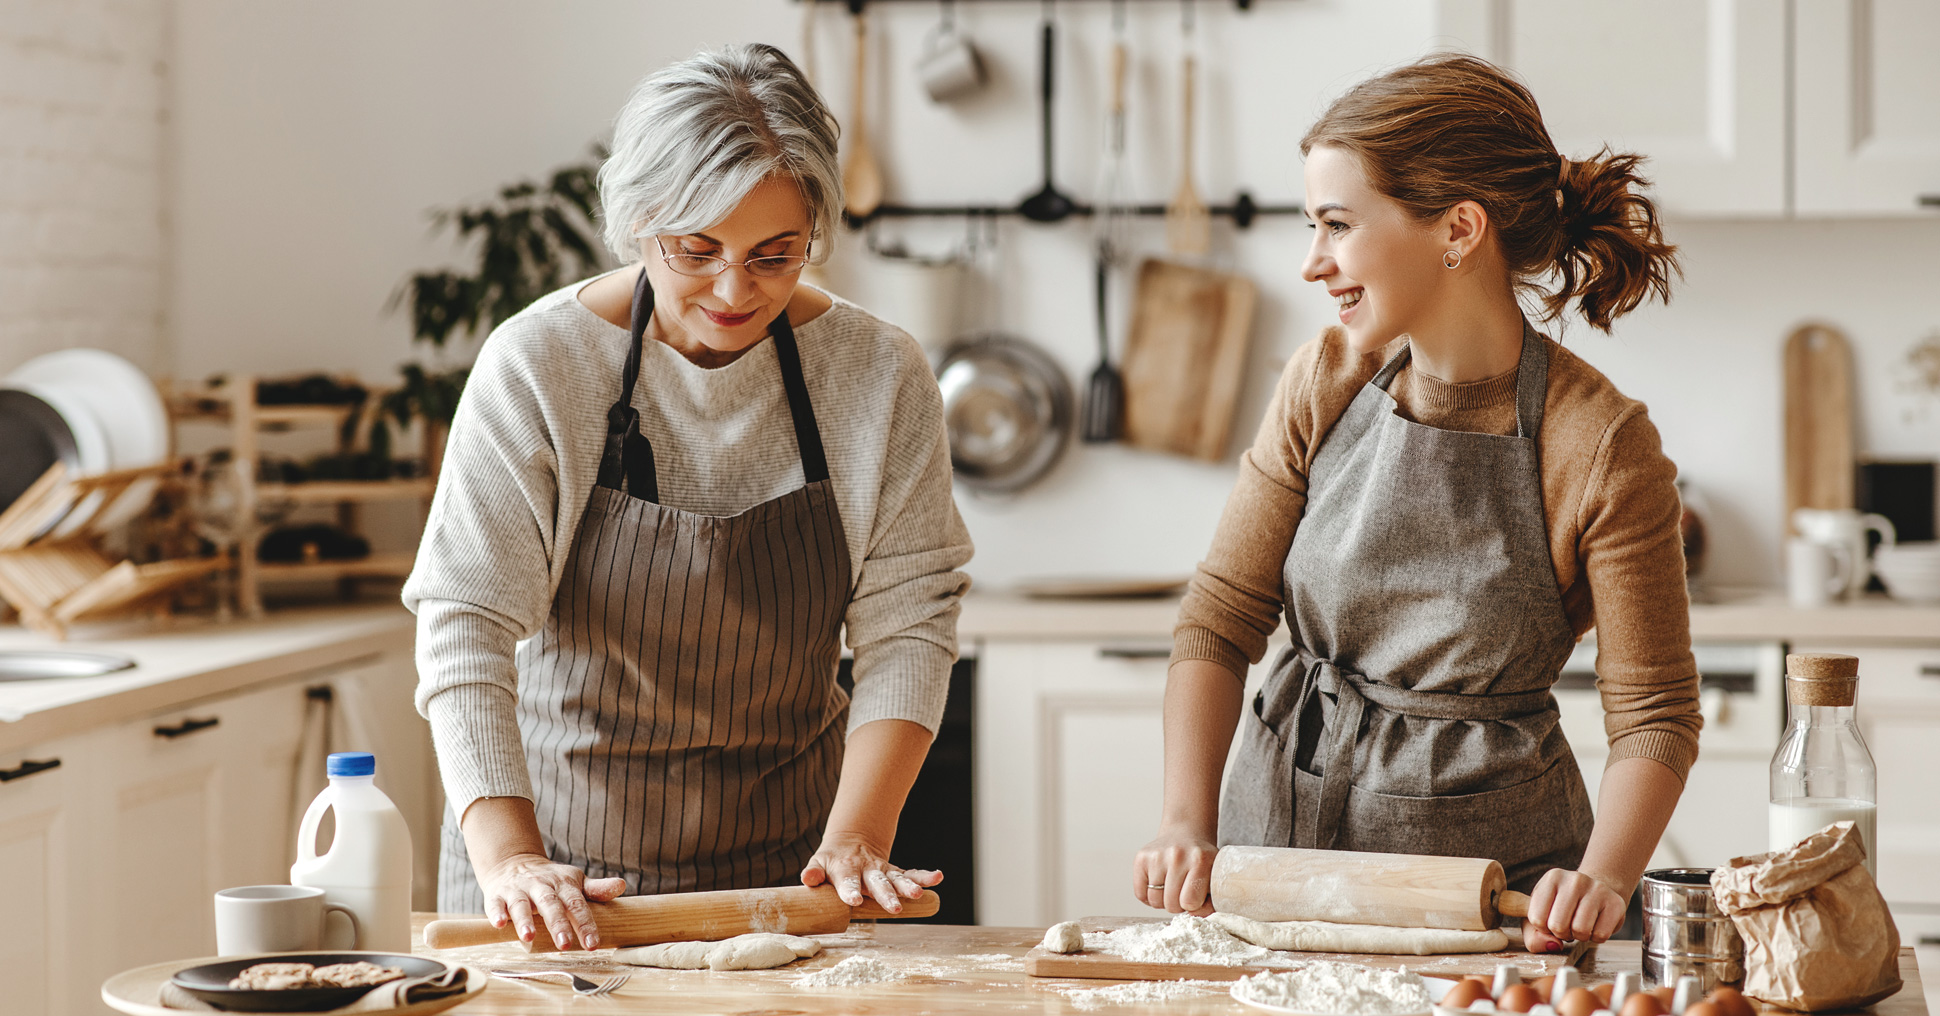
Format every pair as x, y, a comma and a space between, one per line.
1070, 762
46, 865
1703, 90
1868, 142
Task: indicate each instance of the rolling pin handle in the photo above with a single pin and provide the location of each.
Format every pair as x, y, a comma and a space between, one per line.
1513, 904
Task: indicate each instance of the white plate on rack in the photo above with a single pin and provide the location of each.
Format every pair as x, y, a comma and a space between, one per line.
127, 416
1437, 987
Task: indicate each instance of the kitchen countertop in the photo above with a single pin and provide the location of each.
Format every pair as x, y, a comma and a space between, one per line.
186, 659
950, 972
1733, 615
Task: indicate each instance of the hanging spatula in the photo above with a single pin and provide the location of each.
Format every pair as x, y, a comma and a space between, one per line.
1188, 223
1104, 407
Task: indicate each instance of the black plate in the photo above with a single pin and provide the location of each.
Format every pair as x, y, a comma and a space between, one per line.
210, 982
32, 438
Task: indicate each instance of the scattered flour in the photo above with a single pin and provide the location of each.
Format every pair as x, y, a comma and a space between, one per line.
1136, 992
850, 972
1187, 939
993, 961
1339, 989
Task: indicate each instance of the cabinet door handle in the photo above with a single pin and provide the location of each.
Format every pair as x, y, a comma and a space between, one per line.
1930, 670
1930, 201
28, 768
1135, 652
186, 727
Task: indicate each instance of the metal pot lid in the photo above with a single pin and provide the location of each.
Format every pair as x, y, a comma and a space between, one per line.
1008, 409
32, 438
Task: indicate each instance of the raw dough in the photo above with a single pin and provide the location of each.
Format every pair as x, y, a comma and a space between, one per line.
758, 951
1324, 936
1064, 938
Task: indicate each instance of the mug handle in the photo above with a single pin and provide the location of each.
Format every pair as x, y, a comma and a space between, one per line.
356, 927
1883, 526
1841, 555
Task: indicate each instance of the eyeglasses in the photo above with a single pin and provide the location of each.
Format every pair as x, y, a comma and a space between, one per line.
703, 266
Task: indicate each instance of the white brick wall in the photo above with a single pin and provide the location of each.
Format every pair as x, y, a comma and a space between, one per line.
83, 108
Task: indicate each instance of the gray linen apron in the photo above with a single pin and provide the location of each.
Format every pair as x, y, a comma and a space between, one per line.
1412, 712
679, 709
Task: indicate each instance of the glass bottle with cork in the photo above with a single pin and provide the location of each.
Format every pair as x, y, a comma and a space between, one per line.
1822, 772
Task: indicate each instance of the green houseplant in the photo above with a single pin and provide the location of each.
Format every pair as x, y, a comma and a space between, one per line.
531, 238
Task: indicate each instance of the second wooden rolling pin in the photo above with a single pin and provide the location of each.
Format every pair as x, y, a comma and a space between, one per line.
694, 917
1347, 887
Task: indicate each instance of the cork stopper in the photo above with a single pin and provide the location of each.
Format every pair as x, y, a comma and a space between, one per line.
1821, 679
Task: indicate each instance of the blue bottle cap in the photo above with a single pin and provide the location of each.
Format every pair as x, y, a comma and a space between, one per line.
351, 763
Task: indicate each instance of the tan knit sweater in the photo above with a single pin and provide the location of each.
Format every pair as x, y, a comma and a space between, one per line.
1608, 497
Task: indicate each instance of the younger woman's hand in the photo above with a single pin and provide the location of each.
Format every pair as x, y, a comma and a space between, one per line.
1571, 906
521, 885
1174, 872
860, 869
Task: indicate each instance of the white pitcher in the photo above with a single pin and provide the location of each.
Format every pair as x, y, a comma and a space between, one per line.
1842, 531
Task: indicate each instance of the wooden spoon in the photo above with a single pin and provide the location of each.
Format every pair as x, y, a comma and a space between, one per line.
861, 176
1188, 224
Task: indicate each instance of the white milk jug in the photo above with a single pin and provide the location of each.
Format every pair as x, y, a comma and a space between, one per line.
368, 868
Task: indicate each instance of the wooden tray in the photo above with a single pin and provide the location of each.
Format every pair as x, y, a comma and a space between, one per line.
1041, 963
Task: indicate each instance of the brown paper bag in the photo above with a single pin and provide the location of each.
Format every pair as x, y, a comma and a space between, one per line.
1817, 933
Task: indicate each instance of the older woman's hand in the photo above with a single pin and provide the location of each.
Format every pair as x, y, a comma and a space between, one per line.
520, 885
860, 869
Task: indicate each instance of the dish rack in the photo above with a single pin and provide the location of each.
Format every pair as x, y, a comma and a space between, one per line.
234, 403
57, 580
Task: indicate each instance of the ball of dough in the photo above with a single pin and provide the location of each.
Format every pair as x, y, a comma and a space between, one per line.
1064, 938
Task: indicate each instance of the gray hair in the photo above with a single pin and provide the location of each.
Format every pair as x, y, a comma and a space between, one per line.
694, 138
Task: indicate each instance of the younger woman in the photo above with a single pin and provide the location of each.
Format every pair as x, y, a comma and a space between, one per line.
1443, 501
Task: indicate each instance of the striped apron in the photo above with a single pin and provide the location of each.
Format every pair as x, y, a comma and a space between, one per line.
679, 709
1412, 713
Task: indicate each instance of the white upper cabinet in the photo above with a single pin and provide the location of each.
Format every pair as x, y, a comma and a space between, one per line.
1698, 87
1868, 107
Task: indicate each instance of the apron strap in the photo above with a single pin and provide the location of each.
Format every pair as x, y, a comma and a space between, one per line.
627, 455
1319, 828
1532, 379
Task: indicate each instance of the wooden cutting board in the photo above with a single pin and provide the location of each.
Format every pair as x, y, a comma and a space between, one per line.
1042, 963
1185, 354
1819, 457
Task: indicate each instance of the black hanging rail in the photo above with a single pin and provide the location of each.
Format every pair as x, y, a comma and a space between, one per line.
856, 6
1242, 211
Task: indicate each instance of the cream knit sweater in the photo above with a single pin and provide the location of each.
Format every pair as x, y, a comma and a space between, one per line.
521, 462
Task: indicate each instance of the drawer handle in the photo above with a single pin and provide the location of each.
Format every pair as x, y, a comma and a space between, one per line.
1135, 652
186, 727
28, 768
1930, 670
1929, 201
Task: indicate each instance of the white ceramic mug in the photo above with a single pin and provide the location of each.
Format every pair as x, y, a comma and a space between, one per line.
276, 918
1814, 572
950, 66
1843, 531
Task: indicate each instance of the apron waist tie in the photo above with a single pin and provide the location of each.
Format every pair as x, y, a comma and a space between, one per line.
1320, 827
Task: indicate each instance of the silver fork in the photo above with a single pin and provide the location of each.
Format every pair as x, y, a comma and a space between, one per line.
581, 986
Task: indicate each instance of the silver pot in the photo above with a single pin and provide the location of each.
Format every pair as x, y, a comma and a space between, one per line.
1008, 408
1686, 934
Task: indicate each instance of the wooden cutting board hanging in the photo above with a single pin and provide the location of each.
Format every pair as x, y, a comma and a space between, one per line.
1185, 354
1819, 457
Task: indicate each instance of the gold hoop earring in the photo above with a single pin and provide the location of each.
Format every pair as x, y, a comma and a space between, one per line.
1452, 259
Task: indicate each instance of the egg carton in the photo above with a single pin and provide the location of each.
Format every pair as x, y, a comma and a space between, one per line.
1625, 998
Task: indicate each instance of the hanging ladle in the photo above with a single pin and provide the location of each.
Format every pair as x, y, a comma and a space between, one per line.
1048, 204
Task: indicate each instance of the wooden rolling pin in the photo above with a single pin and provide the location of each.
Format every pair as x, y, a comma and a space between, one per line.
1347, 887
694, 917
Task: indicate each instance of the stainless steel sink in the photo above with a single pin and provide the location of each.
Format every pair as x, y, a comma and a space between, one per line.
39, 664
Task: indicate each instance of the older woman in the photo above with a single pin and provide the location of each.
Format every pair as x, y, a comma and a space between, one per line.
667, 491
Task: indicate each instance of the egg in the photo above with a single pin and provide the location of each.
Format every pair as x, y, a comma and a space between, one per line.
1545, 987
1604, 991
1665, 996
1703, 1009
1579, 1002
1463, 994
1731, 1002
1521, 998
1643, 1003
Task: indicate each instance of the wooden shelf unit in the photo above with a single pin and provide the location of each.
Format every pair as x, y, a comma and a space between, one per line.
235, 404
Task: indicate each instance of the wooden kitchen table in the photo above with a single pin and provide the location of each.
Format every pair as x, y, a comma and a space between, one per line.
951, 968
